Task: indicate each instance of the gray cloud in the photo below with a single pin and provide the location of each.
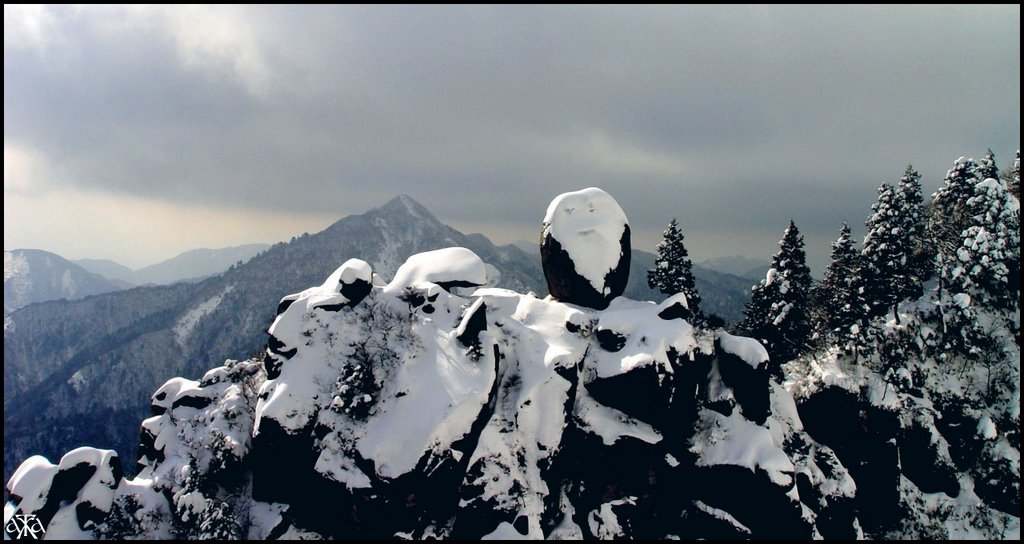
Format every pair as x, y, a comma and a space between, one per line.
733, 118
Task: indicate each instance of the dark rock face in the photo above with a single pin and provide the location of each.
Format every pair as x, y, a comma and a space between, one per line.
285, 303
763, 506
475, 323
192, 400
835, 514
676, 311
610, 340
282, 469
991, 477
749, 384
567, 285
644, 393
960, 430
920, 462
147, 449
356, 291
863, 437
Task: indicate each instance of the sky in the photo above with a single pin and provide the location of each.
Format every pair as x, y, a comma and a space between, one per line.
137, 133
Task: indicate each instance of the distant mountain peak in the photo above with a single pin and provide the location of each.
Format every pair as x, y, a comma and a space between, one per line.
34, 275
406, 205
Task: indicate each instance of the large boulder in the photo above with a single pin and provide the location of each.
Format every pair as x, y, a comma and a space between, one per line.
584, 248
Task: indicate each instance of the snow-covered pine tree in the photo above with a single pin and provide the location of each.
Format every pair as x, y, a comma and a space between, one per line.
988, 260
949, 215
778, 313
921, 253
987, 167
884, 271
673, 270
981, 275
837, 298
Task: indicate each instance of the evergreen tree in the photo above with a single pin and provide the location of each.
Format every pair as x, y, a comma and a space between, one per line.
988, 260
987, 167
884, 271
949, 215
983, 272
673, 270
920, 252
838, 302
778, 313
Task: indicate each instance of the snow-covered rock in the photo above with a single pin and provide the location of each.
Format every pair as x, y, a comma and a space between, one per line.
449, 267
69, 498
585, 248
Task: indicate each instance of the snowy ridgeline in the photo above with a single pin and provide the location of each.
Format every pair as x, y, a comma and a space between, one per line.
31, 275
461, 412
436, 406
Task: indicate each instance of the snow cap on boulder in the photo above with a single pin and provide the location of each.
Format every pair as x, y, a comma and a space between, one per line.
354, 280
348, 285
585, 248
449, 267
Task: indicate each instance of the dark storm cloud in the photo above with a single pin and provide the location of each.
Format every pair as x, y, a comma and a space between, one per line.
732, 118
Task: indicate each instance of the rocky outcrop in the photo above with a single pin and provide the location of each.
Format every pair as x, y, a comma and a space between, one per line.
490, 414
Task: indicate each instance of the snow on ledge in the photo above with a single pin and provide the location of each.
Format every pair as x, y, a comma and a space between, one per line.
735, 441
748, 349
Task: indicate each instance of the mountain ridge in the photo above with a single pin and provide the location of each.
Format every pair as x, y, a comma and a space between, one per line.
190, 265
35, 275
178, 329
44, 350
415, 409
737, 265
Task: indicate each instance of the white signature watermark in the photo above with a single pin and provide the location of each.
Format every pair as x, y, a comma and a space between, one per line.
24, 525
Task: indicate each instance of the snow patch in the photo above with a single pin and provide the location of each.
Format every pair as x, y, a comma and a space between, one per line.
722, 515
648, 337
77, 381
506, 531
31, 481
734, 440
603, 522
15, 264
184, 327
987, 429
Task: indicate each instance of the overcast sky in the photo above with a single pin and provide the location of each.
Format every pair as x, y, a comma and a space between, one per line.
137, 133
